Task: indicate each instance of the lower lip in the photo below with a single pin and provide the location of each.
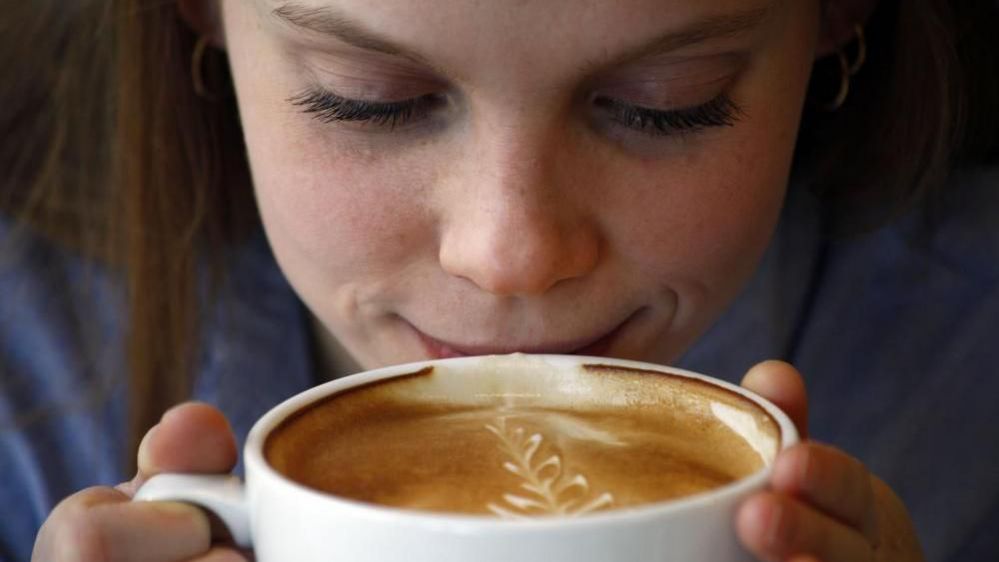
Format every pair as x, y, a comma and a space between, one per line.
438, 350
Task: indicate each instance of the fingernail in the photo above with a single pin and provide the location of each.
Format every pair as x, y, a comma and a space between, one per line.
174, 508
183, 511
171, 411
144, 456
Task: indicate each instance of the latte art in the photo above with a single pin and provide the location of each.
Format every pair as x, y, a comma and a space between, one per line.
549, 490
523, 443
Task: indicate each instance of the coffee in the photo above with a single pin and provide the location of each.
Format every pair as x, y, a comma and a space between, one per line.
517, 438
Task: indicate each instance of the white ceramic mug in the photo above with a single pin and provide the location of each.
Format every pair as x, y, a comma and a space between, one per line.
284, 521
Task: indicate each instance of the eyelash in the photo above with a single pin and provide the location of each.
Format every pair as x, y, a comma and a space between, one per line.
719, 112
328, 107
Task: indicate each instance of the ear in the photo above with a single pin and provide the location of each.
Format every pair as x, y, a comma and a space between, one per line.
838, 20
205, 18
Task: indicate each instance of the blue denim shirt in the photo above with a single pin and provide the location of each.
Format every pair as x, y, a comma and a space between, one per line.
896, 332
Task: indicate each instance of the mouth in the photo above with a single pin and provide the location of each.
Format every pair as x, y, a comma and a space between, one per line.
595, 346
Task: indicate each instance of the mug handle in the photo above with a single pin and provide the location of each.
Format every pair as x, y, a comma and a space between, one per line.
223, 495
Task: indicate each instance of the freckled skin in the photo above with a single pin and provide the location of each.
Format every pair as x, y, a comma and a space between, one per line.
519, 215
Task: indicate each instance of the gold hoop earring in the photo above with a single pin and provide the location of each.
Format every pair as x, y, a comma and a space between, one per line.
858, 63
844, 85
848, 69
197, 70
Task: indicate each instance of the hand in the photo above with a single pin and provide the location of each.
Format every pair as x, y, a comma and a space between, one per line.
823, 505
102, 524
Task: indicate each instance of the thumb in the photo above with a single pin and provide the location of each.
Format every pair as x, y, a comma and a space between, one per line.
783, 385
192, 437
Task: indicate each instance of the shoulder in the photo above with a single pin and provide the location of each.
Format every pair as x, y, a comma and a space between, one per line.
955, 232
898, 346
920, 293
57, 310
936, 267
60, 397
60, 320
962, 231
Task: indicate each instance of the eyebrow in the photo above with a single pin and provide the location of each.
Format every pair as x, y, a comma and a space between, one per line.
327, 21
330, 22
711, 28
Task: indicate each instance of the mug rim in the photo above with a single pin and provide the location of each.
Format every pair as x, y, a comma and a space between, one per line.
257, 466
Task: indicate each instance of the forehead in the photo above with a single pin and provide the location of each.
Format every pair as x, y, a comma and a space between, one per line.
452, 32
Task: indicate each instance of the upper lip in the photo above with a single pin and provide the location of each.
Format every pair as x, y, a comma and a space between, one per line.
566, 347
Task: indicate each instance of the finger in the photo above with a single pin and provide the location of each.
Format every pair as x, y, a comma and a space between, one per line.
776, 527
192, 437
223, 554
830, 480
103, 524
783, 385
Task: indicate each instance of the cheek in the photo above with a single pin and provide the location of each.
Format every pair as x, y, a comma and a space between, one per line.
331, 204
701, 226
705, 215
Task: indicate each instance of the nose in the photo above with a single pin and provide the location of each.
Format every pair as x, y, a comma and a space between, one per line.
517, 223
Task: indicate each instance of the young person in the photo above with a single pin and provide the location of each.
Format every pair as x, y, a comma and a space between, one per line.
231, 201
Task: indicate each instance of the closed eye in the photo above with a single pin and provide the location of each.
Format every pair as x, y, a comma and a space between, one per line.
330, 108
719, 112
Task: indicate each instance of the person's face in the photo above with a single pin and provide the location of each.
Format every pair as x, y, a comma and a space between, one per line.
457, 177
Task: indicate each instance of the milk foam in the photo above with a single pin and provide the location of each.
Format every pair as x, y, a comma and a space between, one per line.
514, 441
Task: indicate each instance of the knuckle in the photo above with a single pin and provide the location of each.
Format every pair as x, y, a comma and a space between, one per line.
849, 484
858, 480
870, 524
784, 530
791, 471
839, 474
811, 472
806, 473
81, 538
75, 531
867, 491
